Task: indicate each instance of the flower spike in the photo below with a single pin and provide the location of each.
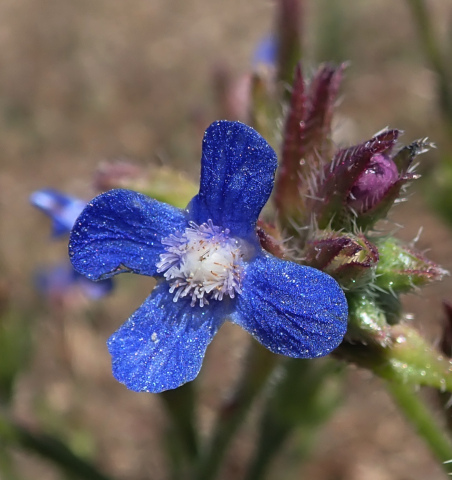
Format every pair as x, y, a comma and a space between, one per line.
306, 139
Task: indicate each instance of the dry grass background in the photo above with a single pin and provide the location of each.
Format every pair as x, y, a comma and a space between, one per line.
85, 81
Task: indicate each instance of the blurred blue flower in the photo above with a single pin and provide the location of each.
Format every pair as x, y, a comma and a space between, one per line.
266, 52
57, 281
209, 267
61, 279
62, 209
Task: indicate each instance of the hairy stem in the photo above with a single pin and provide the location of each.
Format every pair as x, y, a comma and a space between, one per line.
423, 421
182, 443
301, 399
260, 365
435, 57
180, 405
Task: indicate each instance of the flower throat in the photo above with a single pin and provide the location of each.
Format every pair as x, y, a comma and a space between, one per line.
203, 262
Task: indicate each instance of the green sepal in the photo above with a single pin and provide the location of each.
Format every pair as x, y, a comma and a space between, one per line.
367, 321
402, 268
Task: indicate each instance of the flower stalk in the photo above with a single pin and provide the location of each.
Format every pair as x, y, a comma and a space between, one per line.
182, 442
404, 357
302, 397
254, 378
48, 447
423, 421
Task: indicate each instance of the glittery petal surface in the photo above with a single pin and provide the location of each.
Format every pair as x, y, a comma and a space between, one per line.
291, 309
163, 343
237, 175
121, 231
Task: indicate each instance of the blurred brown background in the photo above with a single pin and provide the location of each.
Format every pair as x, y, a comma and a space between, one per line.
88, 80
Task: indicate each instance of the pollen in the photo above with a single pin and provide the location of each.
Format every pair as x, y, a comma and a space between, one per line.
204, 263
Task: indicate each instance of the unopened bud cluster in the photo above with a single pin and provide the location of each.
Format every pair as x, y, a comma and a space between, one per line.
329, 200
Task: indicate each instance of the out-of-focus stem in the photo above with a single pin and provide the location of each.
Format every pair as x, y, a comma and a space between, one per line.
18, 436
182, 443
264, 109
289, 31
434, 56
6, 465
423, 421
266, 452
180, 404
302, 398
260, 365
405, 357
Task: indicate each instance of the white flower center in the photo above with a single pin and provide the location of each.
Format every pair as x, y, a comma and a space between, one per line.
203, 262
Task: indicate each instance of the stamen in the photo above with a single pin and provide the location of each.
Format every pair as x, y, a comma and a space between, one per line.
203, 262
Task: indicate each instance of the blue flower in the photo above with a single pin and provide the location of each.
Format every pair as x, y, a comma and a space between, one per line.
62, 209
209, 267
60, 280
266, 52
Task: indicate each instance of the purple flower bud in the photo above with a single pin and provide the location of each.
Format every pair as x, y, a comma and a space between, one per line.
270, 239
362, 182
373, 183
329, 196
350, 259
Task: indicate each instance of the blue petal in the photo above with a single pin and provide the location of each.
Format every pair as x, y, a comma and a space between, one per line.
237, 175
62, 209
291, 309
121, 231
163, 343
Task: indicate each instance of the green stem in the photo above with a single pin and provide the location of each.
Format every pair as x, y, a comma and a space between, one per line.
289, 35
180, 405
264, 109
13, 434
6, 465
404, 357
177, 465
423, 421
301, 400
182, 443
261, 363
267, 449
434, 56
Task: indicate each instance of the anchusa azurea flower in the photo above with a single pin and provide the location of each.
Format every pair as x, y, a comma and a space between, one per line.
266, 53
62, 209
209, 267
61, 280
